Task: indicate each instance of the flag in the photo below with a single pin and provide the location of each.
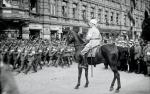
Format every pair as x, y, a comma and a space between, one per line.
130, 13
130, 16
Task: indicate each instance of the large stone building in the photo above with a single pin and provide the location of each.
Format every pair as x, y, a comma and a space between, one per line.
47, 18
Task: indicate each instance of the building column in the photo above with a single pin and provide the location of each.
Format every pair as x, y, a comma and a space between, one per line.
70, 8
46, 31
96, 12
122, 18
88, 11
114, 18
80, 29
80, 10
59, 10
109, 16
103, 15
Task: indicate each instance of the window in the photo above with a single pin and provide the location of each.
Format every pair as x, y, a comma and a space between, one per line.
83, 12
15, 2
1, 3
106, 17
53, 7
111, 17
117, 18
64, 9
74, 11
99, 14
92, 13
33, 6
25, 3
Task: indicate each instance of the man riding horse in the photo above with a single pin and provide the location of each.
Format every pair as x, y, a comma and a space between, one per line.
93, 38
108, 52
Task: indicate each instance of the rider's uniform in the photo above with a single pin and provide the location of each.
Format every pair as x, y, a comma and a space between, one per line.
94, 37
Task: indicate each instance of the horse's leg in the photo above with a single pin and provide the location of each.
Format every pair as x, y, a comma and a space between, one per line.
79, 76
118, 81
113, 82
86, 76
116, 76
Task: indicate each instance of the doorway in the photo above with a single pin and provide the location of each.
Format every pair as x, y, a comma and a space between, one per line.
54, 35
34, 34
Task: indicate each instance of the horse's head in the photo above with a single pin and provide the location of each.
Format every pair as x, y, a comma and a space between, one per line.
70, 38
146, 27
74, 37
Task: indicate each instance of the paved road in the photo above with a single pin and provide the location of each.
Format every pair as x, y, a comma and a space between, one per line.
51, 80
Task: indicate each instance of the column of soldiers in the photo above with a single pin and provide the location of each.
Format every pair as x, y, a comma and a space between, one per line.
24, 55
133, 56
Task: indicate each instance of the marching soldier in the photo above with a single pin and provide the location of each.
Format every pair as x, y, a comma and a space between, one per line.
23, 59
30, 61
38, 52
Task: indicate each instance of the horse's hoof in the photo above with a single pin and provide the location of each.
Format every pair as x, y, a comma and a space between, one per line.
111, 89
117, 91
77, 87
86, 85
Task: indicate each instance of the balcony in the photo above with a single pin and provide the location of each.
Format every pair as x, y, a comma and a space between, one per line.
14, 13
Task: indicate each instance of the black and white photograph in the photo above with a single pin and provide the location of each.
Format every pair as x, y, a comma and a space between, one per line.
75, 46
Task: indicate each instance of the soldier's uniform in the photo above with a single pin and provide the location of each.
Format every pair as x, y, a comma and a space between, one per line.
23, 60
93, 36
137, 56
38, 55
30, 61
147, 57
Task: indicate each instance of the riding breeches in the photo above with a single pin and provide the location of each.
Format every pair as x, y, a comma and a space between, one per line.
90, 45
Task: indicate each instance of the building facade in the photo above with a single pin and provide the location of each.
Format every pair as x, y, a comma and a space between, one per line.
49, 19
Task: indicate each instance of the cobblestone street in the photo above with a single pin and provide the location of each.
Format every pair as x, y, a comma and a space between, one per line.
51, 80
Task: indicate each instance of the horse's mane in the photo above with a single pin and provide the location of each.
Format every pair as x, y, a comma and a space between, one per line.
77, 37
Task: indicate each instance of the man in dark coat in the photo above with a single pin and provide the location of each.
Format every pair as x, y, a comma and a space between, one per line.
132, 61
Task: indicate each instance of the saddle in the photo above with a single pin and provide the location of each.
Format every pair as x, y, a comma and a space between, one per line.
92, 51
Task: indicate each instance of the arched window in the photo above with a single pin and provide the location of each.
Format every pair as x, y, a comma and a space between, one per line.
33, 6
